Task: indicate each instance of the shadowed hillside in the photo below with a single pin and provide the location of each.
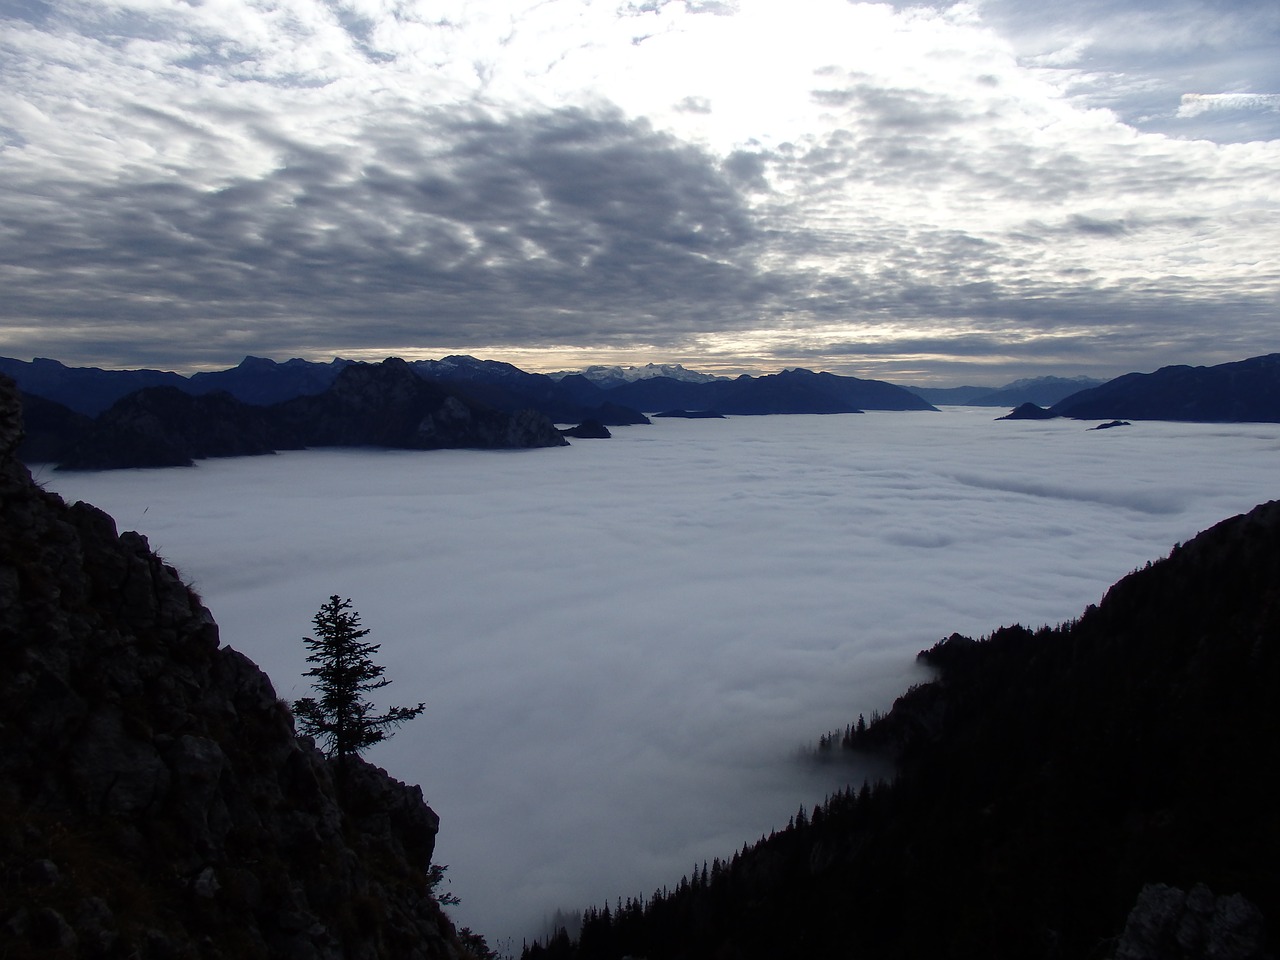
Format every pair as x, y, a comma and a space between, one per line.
154, 800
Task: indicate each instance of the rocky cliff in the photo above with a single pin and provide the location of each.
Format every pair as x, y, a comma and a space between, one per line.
154, 799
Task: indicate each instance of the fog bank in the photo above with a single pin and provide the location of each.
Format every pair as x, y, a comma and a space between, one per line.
622, 644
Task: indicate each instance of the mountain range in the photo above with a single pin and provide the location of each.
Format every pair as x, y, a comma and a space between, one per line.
89, 418
86, 418
566, 398
384, 405
1041, 391
1106, 788
1243, 391
607, 377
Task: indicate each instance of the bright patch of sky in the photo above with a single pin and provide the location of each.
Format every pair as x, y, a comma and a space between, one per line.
641, 181
624, 643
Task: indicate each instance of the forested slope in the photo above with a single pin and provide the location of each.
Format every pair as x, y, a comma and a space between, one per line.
1046, 780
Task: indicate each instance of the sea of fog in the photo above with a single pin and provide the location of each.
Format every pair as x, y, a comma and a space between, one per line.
623, 645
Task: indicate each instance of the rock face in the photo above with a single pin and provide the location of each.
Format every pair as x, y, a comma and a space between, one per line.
154, 800
1172, 924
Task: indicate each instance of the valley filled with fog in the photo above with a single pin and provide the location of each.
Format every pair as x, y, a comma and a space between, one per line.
624, 645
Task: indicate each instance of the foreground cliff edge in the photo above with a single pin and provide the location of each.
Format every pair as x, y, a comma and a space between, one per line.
154, 799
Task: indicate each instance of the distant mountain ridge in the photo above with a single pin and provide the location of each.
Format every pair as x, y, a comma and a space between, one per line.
1041, 391
1238, 392
383, 405
608, 377
566, 398
791, 391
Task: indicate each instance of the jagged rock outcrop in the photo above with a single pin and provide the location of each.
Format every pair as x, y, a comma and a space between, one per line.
154, 800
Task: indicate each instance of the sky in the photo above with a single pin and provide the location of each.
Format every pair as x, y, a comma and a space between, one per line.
625, 644
939, 193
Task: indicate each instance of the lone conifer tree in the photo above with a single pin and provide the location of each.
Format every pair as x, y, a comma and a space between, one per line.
342, 719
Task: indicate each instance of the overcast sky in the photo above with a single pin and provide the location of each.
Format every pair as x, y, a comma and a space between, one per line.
937, 193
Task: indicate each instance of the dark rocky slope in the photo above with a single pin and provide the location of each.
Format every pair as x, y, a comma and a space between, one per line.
1106, 788
154, 800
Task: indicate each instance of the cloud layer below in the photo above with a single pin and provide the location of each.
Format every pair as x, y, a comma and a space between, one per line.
623, 644
909, 193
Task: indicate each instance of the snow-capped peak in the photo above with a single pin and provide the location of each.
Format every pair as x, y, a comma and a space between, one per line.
615, 374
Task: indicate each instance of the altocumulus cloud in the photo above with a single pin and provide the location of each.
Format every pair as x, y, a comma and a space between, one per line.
854, 186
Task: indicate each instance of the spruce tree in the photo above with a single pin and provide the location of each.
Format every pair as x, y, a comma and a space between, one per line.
341, 719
